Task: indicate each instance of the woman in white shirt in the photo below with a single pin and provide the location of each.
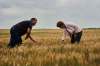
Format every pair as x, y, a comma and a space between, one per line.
73, 30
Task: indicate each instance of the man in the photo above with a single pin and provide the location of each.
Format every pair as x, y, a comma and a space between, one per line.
20, 29
73, 30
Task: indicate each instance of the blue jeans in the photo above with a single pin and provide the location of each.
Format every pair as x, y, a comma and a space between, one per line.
76, 37
15, 38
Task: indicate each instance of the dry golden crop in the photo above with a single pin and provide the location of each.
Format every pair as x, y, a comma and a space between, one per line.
50, 51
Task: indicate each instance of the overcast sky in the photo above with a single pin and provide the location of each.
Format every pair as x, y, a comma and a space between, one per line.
86, 13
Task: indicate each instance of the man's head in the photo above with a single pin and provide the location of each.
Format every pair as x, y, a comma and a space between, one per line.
61, 25
34, 21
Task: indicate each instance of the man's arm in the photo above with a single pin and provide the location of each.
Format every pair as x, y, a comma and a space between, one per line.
28, 35
32, 39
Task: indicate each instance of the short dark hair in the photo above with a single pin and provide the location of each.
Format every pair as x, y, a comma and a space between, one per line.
33, 19
60, 23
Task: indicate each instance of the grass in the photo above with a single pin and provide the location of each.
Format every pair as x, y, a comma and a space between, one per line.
50, 51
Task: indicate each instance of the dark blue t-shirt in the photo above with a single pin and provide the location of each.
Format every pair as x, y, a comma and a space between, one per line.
21, 28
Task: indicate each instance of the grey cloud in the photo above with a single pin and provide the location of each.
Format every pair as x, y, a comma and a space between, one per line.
51, 10
44, 4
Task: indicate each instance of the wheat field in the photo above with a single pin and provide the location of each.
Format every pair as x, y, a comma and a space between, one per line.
50, 50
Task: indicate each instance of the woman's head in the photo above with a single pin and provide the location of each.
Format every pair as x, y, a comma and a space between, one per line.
61, 25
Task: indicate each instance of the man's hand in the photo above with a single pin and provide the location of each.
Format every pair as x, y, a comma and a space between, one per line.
32, 39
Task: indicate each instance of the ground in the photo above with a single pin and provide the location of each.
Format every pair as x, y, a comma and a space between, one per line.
50, 50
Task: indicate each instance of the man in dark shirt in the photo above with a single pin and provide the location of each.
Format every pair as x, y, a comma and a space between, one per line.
20, 29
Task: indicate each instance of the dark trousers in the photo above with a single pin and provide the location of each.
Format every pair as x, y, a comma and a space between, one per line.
76, 37
15, 39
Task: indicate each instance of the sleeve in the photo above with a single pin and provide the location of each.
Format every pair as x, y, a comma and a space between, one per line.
72, 28
30, 26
